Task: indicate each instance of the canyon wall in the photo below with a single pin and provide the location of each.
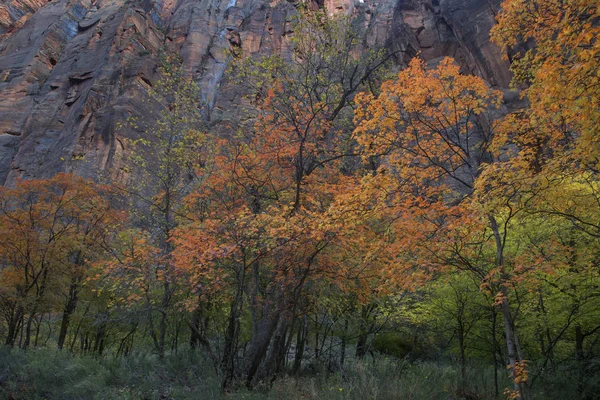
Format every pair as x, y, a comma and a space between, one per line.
71, 71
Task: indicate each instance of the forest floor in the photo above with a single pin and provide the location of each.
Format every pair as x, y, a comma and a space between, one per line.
50, 374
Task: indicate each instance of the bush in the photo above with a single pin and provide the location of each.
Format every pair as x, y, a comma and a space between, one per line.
48, 374
51, 374
392, 344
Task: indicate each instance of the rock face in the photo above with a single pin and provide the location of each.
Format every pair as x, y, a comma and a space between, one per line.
71, 71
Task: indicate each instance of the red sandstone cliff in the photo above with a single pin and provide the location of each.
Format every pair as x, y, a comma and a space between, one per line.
70, 70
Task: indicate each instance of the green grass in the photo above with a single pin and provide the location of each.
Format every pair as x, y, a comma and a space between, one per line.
50, 374
388, 379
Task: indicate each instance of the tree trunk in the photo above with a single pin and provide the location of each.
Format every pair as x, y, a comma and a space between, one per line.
69, 309
494, 351
195, 328
38, 326
164, 312
580, 357
510, 344
259, 344
231, 338
13, 326
361, 344
30, 320
343, 345
79, 327
99, 339
505, 309
276, 355
463, 359
301, 337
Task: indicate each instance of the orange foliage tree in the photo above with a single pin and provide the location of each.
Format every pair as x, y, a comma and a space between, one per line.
546, 156
431, 131
551, 148
49, 231
560, 70
272, 226
282, 212
166, 163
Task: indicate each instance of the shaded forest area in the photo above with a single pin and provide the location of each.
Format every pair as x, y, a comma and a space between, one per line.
363, 233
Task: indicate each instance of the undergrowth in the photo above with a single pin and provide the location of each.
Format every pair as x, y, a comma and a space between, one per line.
50, 374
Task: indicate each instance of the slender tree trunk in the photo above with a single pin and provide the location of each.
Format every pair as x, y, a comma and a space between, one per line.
463, 359
195, 327
231, 337
49, 332
317, 353
79, 327
13, 326
175, 345
21, 331
123, 346
580, 356
100, 337
330, 356
361, 344
510, 344
69, 309
21, 328
38, 326
301, 337
30, 320
516, 339
494, 352
288, 343
505, 309
343, 345
164, 313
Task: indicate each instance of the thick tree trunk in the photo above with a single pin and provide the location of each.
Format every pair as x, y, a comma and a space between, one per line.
259, 345
275, 358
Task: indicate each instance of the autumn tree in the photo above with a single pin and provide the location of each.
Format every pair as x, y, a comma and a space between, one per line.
281, 213
432, 130
51, 230
550, 150
558, 71
164, 165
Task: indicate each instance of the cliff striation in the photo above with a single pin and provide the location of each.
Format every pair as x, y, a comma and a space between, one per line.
72, 70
